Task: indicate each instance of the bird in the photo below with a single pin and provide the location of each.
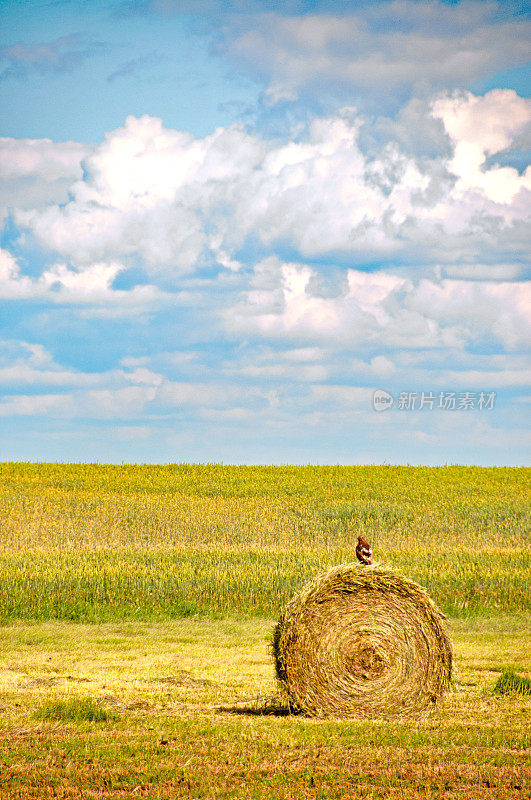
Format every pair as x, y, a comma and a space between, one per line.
363, 551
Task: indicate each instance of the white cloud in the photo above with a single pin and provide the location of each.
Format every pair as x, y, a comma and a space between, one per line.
92, 404
479, 310
351, 398
145, 194
156, 401
180, 203
380, 49
90, 287
37, 172
228, 405
30, 364
483, 272
480, 127
54, 405
40, 158
24, 374
484, 373
383, 308
12, 283
136, 389
90, 282
303, 364
479, 379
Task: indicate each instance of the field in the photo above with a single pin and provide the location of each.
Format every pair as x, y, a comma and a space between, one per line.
137, 605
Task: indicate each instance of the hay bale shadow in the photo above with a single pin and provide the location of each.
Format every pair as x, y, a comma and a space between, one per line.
275, 706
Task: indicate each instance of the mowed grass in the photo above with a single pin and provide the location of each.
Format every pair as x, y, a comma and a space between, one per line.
96, 542
170, 710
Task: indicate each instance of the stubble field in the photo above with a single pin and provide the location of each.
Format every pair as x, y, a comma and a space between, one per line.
137, 606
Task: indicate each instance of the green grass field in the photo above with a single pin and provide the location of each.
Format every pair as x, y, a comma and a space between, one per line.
137, 607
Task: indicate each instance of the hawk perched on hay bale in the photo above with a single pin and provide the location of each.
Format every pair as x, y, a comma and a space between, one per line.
363, 551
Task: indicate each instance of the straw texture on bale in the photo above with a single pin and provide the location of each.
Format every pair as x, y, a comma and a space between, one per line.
362, 642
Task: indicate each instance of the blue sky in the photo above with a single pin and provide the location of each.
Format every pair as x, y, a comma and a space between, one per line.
225, 225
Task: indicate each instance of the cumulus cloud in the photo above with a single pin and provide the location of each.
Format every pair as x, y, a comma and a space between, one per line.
91, 285
12, 283
145, 194
181, 203
383, 308
37, 172
40, 159
480, 127
479, 310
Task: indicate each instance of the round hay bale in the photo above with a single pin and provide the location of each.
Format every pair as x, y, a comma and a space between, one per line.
362, 642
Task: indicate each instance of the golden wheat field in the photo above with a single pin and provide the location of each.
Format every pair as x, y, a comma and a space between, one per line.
100, 542
138, 602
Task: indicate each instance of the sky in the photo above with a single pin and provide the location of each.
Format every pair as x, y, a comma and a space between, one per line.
265, 232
